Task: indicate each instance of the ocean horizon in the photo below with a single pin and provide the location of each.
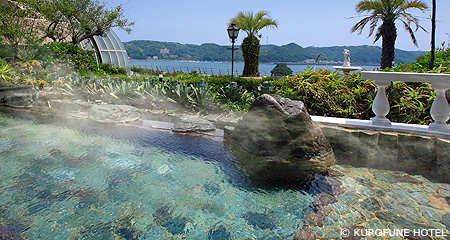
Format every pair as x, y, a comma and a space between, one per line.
223, 68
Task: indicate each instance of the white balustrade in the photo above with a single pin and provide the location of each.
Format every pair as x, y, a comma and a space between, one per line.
440, 110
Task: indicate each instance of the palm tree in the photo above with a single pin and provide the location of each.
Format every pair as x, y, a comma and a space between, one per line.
388, 11
251, 23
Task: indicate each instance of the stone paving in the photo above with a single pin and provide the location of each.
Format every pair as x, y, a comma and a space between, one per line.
361, 200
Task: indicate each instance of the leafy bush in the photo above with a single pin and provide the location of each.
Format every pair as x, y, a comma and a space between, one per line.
441, 64
145, 93
110, 69
6, 73
410, 102
66, 57
324, 92
329, 93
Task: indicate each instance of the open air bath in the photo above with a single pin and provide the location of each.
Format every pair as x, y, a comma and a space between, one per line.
73, 177
198, 140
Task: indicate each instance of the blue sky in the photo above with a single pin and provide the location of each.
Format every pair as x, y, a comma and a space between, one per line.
308, 23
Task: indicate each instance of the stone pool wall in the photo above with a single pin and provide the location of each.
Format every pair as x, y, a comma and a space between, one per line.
415, 154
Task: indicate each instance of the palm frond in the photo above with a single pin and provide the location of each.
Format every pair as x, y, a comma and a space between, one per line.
407, 27
378, 35
359, 27
367, 6
251, 22
414, 4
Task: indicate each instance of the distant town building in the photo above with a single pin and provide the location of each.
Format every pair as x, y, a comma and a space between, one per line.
309, 61
164, 51
155, 57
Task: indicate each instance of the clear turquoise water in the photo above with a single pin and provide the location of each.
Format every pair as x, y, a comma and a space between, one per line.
63, 178
57, 182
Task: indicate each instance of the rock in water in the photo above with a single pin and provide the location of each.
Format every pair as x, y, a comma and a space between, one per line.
188, 123
19, 100
114, 113
283, 139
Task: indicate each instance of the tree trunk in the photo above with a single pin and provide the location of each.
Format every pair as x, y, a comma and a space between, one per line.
250, 49
433, 36
389, 35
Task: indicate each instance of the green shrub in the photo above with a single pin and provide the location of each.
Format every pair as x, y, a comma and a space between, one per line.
66, 57
441, 64
410, 102
6, 73
329, 93
324, 92
110, 69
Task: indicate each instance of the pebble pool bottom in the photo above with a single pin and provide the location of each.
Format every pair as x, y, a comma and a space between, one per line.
123, 182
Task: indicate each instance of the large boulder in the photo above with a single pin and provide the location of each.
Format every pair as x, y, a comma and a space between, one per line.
188, 123
19, 100
280, 141
114, 113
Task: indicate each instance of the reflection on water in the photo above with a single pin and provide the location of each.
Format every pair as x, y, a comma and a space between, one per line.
58, 182
63, 178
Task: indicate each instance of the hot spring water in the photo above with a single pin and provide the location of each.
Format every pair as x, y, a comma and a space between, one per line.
70, 179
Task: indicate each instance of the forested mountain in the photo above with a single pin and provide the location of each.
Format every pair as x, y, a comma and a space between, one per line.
290, 53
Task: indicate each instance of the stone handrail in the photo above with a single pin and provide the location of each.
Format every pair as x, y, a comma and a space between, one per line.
440, 110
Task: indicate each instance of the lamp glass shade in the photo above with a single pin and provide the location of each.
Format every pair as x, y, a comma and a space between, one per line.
233, 31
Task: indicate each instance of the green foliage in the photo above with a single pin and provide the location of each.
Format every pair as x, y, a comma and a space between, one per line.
266, 88
18, 29
324, 92
232, 92
236, 97
146, 93
66, 57
281, 70
79, 19
410, 102
441, 63
329, 93
110, 69
6, 73
252, 23
442, 59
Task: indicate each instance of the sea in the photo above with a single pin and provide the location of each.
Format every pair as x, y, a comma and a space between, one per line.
222, 68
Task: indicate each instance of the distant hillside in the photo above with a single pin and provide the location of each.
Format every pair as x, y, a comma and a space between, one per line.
290, 53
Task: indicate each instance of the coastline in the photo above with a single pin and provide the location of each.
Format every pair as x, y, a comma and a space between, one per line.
270, 63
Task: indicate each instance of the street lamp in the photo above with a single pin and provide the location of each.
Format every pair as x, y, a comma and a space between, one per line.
233, 32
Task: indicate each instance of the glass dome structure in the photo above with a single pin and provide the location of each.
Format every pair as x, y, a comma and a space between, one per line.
108, 49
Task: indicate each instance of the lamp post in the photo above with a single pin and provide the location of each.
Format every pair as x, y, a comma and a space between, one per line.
233, 32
